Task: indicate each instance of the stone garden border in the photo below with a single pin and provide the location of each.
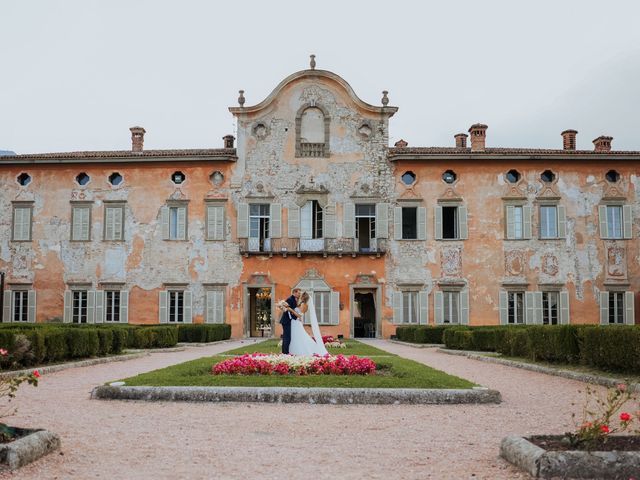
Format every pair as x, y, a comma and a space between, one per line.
541, 463
27, 449
313, 395
558, 372
418, 345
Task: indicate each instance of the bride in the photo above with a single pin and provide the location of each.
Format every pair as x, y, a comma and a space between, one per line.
301, 342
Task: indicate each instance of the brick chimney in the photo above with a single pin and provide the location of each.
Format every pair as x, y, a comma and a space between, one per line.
400, 144
228, 141
569, 139
478, 134
137, 138
602, 143
461, 140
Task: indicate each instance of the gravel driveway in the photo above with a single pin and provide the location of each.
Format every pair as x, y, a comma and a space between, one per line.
135, 440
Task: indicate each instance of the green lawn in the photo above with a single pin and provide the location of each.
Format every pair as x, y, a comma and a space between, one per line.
393, 372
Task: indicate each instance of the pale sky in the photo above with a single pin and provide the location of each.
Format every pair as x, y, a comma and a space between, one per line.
75, 75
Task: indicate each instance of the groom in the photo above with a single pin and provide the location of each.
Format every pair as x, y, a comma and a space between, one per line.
286, 318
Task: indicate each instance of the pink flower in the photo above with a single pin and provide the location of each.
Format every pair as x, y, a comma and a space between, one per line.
3, 352
604, 429
36, 373
621, 387
625, 417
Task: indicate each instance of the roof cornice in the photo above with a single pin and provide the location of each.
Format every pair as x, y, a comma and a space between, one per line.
450, 153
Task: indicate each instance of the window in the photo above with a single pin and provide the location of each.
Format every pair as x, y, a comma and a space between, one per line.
215, 307
174, 222
176, 307
409, 223
612, 176
22, 222
113, 222
409, 307
449, 176
215, 222
616, 221
259, 223
115, 179
82, 179
112, 306
547, 176
515, 313
322, 302
513, 176
312, 133
451, 222
518, 222
452, 306
548, 221
311, 220
216, 178
365, 227
550, 307
617, 308
79, 307
408, 178
80, 222
20, 306
24, 179
178, 178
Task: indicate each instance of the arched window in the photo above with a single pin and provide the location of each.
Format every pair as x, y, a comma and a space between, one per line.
312, 132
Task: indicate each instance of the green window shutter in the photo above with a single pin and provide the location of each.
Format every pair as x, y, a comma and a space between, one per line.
329, 216
187, 307
109, 213
627, 219
124, 306
397, 308
438, 222
80, 223
604, 308
218, 309
537, 296
118, 223
604, 225
529, 308
68, 306
463, 228
243, 220
99, 308
182, 223
31, 305
504, 307
293, 221
562, 221
464, 307
397, 223
22, 223
439, 307
564, 308
164, 222
422, 223
382, 220
423, 303
510, 222
629, 309
349, 220
526, 222
209, 306
91, 306
163, 313
275, 224
334, 307
306, 220
6, 310
215, 222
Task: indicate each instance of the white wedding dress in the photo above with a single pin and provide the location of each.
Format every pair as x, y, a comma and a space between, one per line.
301, 342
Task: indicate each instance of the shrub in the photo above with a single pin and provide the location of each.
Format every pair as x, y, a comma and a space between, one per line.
82, 342
427, 334
406, 333
105, 338
56, 345
163, 337
615, 347
201, 332
555, 343
119, 340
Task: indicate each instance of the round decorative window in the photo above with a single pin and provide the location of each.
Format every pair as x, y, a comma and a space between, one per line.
547, 176
513, 176
216, 178
24, 179
449, 176
178, 178
408, 178
82, 178
612, 176
115, 179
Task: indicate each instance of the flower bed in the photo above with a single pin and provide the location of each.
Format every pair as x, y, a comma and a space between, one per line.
267, 364
329, 342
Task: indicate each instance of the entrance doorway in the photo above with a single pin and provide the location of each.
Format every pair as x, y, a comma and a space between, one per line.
364, 313
260, 312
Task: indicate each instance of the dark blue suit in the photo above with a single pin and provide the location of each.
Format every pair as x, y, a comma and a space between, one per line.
285, 320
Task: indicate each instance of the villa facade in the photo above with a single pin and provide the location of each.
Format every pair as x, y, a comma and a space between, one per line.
310, 194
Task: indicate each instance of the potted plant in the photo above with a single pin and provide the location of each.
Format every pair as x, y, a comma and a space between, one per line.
605, 443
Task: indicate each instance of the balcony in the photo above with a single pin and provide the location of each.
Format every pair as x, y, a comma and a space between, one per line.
311, 246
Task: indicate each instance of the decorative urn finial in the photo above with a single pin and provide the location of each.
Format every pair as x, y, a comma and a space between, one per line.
312, 63
241, 98
385, 99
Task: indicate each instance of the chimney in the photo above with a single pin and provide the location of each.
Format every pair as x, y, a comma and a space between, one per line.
137, 139
478, 133
569, 139
602, 143
400, 144
461, 140
228, 141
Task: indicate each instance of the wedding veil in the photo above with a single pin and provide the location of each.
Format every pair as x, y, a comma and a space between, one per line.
315, 328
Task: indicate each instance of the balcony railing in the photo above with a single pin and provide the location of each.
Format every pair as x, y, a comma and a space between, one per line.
311, 246
312, 149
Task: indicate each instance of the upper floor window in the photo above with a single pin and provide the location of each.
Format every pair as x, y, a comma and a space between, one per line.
518, 222
451, 222
21, 228
312, 132
259, 223
615, 221
81, 222
174, 222
410, 223
553, 221
113, 221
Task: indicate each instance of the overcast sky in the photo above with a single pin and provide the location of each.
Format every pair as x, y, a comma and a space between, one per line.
75, 75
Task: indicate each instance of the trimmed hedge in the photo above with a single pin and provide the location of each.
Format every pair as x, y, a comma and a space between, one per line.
614, 348
421, 333
48, 342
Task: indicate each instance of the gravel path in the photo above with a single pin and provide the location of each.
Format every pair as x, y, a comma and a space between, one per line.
135, 440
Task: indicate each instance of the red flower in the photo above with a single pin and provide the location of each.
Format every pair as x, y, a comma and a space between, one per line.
3, 352
36, 373
604, 429
625, 417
